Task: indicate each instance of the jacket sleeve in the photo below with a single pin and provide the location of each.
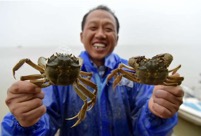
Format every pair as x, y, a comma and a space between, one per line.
47, 125
145, 123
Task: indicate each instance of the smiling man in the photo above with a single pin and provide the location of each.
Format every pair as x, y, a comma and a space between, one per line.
99, 35
132, 109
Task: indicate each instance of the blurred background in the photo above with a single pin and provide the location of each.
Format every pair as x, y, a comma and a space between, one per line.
30, 29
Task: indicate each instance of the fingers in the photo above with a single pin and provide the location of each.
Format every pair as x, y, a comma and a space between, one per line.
26, 106
176, 91
24, 101
174, 98
15, 98
30, 118
24, 87
165, 108
23, 91
159, 110
166, 100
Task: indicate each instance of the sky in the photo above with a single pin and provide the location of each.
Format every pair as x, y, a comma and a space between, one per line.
142, 22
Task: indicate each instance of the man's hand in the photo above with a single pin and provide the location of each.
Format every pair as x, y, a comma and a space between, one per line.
24, 100
166, 100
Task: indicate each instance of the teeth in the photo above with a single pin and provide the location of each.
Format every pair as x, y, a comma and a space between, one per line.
99, 45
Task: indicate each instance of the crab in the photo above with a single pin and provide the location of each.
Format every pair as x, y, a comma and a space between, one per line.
63, 69
152, 71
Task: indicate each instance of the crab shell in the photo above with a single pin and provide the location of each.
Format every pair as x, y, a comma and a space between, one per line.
62, 69
151, 71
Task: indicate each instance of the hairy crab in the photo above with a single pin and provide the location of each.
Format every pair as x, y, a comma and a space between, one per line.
63, 69
148, 71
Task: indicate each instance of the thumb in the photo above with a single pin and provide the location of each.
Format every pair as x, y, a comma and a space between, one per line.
24, 87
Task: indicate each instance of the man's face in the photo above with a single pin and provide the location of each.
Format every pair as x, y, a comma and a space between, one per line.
99, 35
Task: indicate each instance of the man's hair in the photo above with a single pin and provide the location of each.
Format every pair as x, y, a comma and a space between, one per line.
104, 8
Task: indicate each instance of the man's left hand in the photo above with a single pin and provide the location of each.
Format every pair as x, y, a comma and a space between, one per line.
166, 100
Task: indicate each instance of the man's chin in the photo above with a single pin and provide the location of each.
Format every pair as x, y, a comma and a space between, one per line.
98, 57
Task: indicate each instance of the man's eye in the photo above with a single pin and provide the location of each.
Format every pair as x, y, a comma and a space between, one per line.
109, 29
93, 28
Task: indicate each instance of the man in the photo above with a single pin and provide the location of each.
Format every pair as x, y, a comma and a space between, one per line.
130, 109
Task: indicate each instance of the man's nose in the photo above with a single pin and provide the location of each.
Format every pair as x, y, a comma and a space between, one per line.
100, 33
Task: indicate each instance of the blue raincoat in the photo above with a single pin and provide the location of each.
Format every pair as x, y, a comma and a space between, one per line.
120, 112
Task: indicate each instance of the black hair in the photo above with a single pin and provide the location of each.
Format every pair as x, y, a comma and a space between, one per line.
100, 7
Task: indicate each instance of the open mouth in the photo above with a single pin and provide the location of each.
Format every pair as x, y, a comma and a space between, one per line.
99, 46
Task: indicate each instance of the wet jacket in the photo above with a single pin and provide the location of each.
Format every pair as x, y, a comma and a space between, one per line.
122, 111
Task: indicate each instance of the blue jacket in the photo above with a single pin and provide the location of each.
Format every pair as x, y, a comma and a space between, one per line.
120, 112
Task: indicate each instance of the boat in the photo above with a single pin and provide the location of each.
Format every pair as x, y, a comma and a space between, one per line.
190, 110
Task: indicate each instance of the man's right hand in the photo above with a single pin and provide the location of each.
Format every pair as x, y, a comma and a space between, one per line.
24, 100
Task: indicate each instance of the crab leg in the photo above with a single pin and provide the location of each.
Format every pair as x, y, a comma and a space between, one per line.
113, 73
36, 79
82, 113
125, 66
93, 97
86, 74
29, 62
89, 94
169, 84
85, 91
41, 82
88, 82
173, 80
125, 74
175, 69
31, 77
117, 80
130, 76
117, 70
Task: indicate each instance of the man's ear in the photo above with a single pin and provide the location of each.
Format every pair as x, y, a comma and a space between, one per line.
117, 39
81, 36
